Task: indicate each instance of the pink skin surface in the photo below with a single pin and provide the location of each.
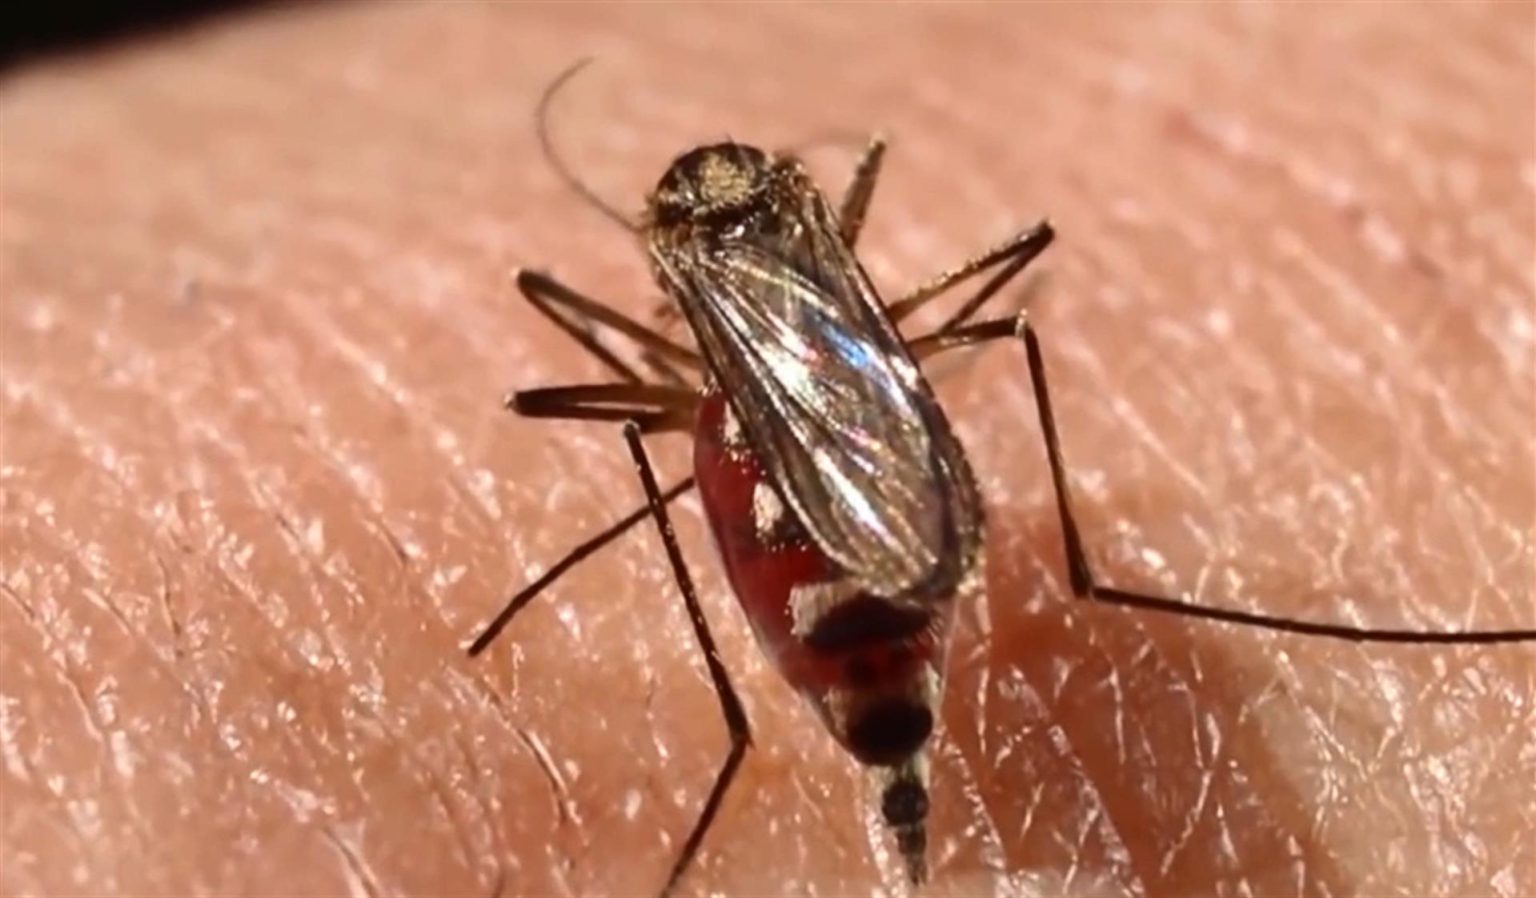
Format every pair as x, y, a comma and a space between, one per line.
256, 316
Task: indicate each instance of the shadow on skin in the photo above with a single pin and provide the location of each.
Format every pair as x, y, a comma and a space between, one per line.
1116, 750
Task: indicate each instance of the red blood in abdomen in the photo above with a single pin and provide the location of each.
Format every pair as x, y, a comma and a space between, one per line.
763, 574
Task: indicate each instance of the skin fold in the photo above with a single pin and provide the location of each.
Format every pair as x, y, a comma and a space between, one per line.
257, 491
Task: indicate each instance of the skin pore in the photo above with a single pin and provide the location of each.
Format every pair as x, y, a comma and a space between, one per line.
257, 491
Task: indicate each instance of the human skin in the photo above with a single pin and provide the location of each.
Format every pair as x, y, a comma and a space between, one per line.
258, 491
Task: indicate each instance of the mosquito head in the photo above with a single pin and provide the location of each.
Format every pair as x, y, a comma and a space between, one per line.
713, 183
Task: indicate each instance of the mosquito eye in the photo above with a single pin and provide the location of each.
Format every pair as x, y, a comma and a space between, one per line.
889, 732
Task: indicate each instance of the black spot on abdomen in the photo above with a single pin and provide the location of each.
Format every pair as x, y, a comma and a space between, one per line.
863, 621
890, 732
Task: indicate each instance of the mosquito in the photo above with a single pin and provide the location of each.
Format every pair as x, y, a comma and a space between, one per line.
843, 508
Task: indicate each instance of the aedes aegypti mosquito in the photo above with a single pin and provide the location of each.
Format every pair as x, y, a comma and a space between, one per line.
842, 506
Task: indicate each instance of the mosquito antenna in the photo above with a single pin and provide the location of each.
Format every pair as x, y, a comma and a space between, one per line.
541, 116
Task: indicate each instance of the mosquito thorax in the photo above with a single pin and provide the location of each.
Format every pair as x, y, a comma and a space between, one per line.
712, 185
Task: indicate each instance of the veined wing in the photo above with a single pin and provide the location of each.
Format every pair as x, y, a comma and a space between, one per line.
833, 403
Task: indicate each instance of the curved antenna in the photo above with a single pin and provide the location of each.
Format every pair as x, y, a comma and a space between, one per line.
541, 116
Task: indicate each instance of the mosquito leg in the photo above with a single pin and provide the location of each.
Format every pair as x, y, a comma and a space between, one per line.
662, 368
653, 408
944, 339
572, 558
665, 320
855, 203
1017, 252
1079, 573
1081, 576
575, 314
730, 705
949, 337
657, 408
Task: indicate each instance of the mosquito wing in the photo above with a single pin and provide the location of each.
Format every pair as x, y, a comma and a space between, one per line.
831, 400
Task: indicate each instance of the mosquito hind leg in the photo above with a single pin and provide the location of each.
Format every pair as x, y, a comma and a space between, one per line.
576, 313
855, 205
1014, 255
730, 704
1080, 575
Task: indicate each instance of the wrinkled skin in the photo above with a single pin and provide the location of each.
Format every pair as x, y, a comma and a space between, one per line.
257, 489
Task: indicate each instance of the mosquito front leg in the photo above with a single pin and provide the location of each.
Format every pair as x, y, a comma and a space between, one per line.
850, 215
1014, 255
576, 313
730, 705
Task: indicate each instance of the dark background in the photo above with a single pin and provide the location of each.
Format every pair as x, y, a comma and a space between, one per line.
34, 29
